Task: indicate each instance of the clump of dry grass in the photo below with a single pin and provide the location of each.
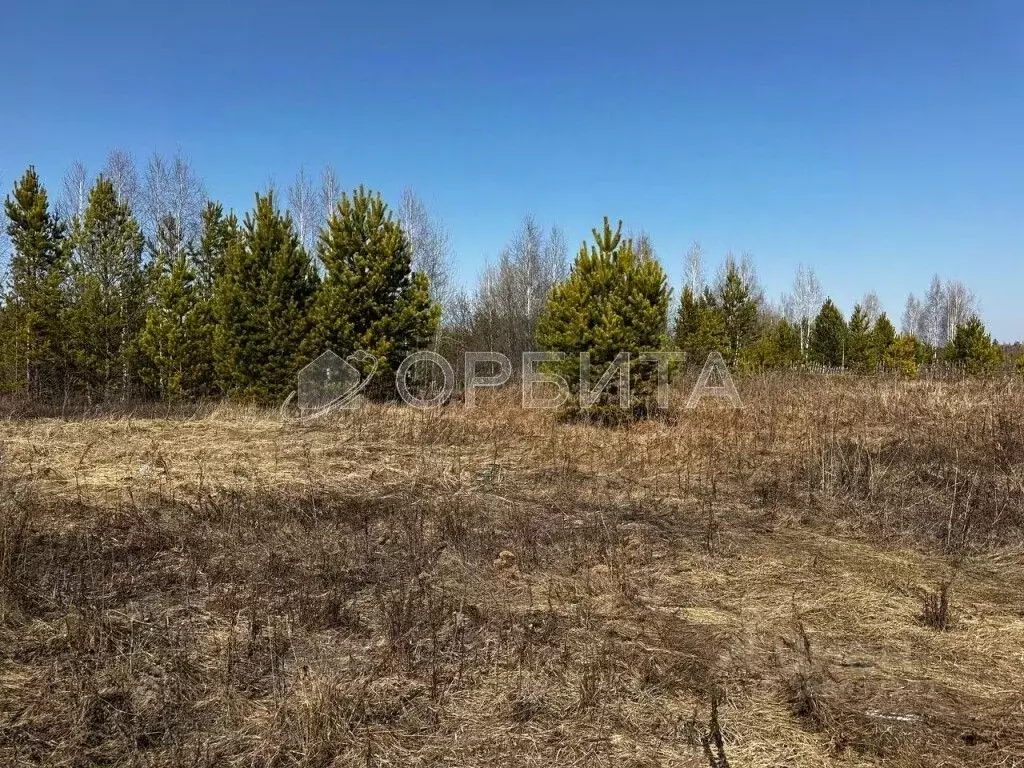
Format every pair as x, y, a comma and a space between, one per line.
495, 587
936, 612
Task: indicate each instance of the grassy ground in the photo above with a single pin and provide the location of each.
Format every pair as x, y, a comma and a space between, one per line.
833, 576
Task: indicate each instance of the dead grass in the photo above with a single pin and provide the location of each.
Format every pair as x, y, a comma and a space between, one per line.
495, 588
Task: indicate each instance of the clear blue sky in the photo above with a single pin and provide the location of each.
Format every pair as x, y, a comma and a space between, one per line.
878, 141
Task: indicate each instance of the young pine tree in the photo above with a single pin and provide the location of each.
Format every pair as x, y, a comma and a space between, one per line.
261, 302
613, 301
687, 323
371, 300
710, 334
787, 343
778, 346
972, 348
109, 293
903, 355
35, 298
828, 343
858, 344
883, 336
738, 307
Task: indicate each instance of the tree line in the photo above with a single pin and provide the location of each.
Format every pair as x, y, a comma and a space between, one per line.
204, 304
140, 286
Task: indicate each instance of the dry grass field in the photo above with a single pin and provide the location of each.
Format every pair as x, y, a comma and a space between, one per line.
833, 576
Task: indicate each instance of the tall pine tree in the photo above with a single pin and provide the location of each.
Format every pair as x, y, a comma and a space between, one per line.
207, 265
261, 304
737, 305
828, 336
371, 300
109, 292
35, 295
858, 345
176, 336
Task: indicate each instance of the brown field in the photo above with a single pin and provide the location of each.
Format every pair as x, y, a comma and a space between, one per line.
833, 576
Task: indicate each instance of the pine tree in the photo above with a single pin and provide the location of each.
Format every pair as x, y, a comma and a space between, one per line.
778, 346
738, 307
218, 231
787, 342
261, 304
859, 340
903, 356
217, 234
973, 348
883, 336
371, 300
828, 336
687, 322
12, 377
35, 299
613, 301
710, 333
109, 291
175, 339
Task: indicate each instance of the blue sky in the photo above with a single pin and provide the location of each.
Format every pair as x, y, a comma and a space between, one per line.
877, 141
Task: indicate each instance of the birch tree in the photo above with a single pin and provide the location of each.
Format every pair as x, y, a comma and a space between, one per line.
803, 304
512, 292
10, 373
911, 321
329, 195
120, 171
871, 308
75, 193
944, 308
960, 306
694, 268
932, 321
172, 188
536, 266
431, 248
304, 208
